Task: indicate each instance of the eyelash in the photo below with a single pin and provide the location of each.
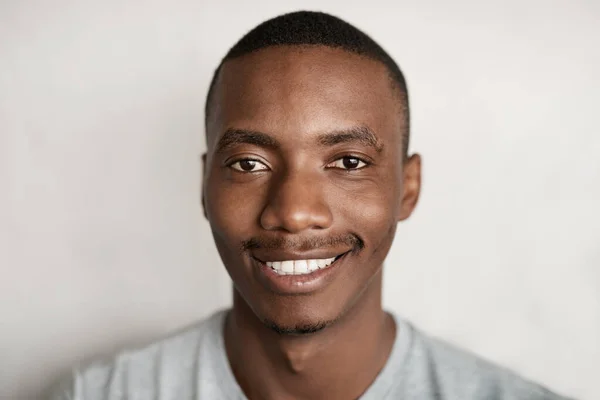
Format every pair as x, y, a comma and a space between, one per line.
231, 164
349, 156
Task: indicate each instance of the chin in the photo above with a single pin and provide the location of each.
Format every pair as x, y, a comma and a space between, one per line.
293, 319
298, 328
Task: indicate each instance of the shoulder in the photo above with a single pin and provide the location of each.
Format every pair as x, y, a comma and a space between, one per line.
170, 361
455, 373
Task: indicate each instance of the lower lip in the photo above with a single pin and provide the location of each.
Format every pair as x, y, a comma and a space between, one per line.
297, 284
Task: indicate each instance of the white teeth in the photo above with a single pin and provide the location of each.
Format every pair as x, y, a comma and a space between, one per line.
299, 267
287, 267
275, 265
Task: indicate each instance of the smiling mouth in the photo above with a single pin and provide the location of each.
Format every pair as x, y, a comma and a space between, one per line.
301, 267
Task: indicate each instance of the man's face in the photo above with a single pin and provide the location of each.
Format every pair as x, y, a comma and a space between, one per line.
305, 180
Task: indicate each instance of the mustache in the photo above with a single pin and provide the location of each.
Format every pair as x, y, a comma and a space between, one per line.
297, 244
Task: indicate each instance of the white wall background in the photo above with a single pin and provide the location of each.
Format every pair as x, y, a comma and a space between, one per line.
102, 240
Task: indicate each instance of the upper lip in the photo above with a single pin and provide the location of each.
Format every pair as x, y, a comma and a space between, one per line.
282, 255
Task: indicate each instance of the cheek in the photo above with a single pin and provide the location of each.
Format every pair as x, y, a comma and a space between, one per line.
372, 213
371, 208
233, 209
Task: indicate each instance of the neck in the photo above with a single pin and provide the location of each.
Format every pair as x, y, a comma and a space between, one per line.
314, 366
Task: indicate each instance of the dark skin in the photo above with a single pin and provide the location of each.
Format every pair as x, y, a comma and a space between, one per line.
305, 149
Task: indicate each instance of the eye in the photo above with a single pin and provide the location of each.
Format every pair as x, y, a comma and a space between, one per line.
248, 165
347, 163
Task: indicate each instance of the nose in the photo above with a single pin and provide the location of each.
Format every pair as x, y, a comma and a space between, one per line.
296, 203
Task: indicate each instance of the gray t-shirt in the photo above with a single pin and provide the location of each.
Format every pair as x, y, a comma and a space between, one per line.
193, 365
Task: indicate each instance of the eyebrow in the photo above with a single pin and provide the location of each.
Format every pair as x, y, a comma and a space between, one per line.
357, 134
233, 137
360, 134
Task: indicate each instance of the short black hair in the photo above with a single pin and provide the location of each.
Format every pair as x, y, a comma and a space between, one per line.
304, 28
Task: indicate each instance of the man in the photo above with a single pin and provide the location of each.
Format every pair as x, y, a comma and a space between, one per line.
306, 175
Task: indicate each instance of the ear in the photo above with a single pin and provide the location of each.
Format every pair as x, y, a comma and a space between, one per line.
411, 187
203, 185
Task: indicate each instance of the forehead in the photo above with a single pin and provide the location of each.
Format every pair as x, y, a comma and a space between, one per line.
291, 91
